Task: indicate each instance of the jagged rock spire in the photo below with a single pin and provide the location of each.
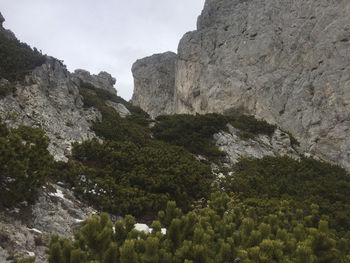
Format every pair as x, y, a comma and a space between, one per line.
2, 19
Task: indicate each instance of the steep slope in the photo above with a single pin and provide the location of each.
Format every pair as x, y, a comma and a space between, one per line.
134, 167
44, 94
286, 62
49, 99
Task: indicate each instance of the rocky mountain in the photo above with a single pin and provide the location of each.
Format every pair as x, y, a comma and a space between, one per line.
221, 188
49, 98
283, 61
65, 106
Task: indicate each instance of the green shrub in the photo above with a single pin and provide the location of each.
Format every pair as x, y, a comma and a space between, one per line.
17, 59
113, 127
208, 235
304, 182
250, 126
122, 177
195, 132
24, 164
97, 98
3, 91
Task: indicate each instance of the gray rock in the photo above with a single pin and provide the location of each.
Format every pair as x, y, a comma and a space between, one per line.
278, 144
27, 230
154, 79
2, 19
287, 62
49, 99
3, 255
119, 107
5, 32
102, 81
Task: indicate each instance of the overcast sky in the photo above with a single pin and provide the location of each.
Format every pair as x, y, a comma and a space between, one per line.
105, 35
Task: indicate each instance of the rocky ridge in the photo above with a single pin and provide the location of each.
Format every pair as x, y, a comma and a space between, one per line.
103, 80
286, 62
5, 32
277, 145
49, 99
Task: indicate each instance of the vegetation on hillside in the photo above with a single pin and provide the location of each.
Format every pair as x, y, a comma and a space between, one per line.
3, 91
95, 97
130, 172
304, 182
24, 164
17, 59
224, 231
195, 132
267, 210
122, 177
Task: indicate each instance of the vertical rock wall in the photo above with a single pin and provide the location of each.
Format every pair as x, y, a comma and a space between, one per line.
287, 62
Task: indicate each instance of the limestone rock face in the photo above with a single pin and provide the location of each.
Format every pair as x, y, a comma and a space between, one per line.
279, 144
26, 230
2, 19
154, 79
119, 107
49, 99
103, 80
287, 62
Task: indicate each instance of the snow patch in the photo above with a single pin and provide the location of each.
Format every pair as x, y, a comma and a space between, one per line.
35, 230
146, 229
60, 195
31, 254
142, 228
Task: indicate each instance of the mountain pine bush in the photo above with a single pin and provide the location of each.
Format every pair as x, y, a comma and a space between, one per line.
17, 59
24, 164
208, 235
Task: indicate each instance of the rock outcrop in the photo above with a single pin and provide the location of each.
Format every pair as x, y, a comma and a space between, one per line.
26, 230
2, 20
119, 107
154, 79
49, 99
278, 144
287, 62
103, 80
5, 32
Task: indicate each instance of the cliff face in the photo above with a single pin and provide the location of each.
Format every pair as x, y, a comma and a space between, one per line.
154, 79
287, 62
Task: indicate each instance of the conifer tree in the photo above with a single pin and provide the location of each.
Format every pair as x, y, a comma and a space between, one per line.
128, 253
